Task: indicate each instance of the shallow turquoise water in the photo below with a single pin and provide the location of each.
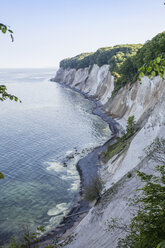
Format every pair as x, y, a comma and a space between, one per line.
36, 138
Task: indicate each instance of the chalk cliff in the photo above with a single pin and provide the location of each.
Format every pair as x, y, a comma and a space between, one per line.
146, 101
96, 82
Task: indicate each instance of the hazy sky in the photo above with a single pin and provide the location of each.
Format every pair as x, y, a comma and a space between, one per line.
47, 31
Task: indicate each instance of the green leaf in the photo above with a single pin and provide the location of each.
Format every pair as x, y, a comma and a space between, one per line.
9, 30
153, 73
160, 74
1, 175
140, 69
161, 245
12, 37
154, 62
156, 67
158, 60
141, 74
149, 69
143, 68
4, 30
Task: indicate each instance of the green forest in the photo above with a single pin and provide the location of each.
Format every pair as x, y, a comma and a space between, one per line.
124, 60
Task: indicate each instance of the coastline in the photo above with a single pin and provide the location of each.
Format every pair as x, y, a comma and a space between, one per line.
114, 126
87, 168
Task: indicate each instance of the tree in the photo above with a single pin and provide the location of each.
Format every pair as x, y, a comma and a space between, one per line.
28, 239
147, 227
3, 90
93, 190
153, 68
131, 125
5, 28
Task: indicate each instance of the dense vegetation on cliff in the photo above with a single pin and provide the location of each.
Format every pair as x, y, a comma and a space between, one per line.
128, 71
114, 56
123, 60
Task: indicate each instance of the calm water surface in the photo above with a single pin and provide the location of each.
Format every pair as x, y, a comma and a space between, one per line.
36, 136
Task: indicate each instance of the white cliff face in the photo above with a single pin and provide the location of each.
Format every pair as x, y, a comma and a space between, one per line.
146, 101
138, 99
80, 78
154, 127
147, 105
91, 232
96, 83
66, 76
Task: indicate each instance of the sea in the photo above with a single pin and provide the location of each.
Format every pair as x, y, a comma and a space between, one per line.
41, 140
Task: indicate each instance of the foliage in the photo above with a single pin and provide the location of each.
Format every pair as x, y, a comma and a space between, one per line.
153, 68
4, 95
80, 61
1, 175
115, 149
3, 90
149, 58
161, 245
114, 56
151, 50
121, 143
93, 190
5, 28
131, 125
28, 239
147, 227
125, 60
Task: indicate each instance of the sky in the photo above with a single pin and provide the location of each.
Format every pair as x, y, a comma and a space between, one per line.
47, 31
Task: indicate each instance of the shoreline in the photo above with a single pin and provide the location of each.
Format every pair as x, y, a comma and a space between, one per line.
87, 168
114, 126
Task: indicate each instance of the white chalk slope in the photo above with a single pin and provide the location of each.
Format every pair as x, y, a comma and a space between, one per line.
146, 101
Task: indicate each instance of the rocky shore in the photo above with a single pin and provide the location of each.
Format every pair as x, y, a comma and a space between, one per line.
88, 168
